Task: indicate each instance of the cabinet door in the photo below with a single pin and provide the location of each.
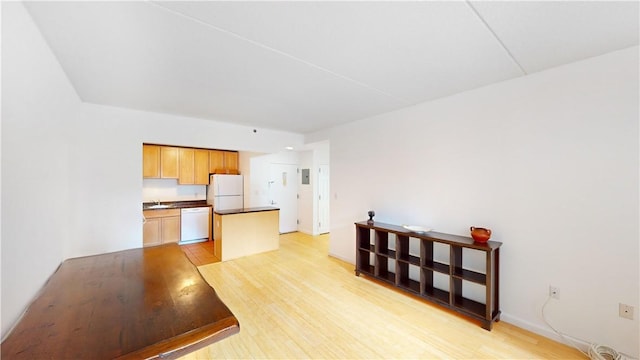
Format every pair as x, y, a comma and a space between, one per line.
216, 161
201, 167
151, 232
170, 229
185, 175
169, 162
150, 161
231, 162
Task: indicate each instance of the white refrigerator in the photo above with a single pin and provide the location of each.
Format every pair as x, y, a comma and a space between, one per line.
225, 192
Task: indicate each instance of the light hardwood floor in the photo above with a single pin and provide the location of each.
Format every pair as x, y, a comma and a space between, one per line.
298, 303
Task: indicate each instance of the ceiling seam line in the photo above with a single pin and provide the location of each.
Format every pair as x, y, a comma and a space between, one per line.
253, 42
504, 47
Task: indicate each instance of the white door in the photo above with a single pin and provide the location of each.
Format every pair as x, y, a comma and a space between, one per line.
323, 199
283, 194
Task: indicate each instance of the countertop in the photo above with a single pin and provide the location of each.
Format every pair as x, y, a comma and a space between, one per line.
245, 210
176, 204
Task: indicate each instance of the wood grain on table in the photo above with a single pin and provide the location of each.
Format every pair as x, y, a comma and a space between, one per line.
140, 303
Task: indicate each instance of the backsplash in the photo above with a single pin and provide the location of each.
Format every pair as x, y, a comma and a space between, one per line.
169, 190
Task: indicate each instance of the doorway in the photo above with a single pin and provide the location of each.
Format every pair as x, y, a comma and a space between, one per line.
283, 193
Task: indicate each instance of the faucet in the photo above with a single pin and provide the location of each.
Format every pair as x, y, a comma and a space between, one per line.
156, 201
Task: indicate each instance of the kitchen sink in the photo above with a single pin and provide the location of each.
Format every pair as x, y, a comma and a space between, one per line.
158, 207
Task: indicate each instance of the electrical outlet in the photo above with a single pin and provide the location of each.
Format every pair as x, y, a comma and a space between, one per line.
554, 292
625, 311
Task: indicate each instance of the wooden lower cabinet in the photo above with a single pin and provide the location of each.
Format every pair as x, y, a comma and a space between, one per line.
151, 232
161, 227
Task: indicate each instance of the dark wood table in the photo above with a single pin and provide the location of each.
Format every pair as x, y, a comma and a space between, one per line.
134, 304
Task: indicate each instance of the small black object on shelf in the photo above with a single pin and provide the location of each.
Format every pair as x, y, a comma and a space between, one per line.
371, 214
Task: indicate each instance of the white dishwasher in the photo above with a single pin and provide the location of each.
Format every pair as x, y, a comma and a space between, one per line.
194, 224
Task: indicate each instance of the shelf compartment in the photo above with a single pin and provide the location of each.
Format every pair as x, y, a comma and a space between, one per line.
382, 241
435, 294
365, 261
386, 275
363, 237
403, 248
428, 255
409, 259
410, 285
470, 306
436, 266
470, 275
404, 278
385, 268
370, 248
387, 252
431, 285
367, 270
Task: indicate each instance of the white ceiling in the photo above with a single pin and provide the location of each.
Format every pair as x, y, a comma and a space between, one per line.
305, 66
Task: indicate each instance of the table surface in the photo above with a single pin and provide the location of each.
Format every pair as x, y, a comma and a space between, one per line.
140, 303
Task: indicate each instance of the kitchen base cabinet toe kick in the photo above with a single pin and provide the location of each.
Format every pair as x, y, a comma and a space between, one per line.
380, 256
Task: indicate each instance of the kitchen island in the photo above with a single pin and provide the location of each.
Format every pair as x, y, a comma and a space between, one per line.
246, 231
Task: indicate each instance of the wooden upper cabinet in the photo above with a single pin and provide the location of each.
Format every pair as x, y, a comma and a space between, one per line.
201, 167
194, 167
169, 162
186, 176
216, 161
190, 166
231, 162
150, 161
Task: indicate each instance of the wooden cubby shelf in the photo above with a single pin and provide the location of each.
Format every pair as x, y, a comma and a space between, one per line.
392, 262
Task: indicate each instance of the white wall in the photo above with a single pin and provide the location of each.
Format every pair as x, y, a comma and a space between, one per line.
36, 101
259, 168
72, 171
169, 190
548, 161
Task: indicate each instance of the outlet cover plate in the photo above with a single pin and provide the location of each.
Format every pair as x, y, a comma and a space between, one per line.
625, 311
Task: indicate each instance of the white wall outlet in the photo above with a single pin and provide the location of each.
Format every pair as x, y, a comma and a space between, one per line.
625, 311
554, 292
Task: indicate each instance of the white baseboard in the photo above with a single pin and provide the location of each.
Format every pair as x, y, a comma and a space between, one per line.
543, 331
341, 258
